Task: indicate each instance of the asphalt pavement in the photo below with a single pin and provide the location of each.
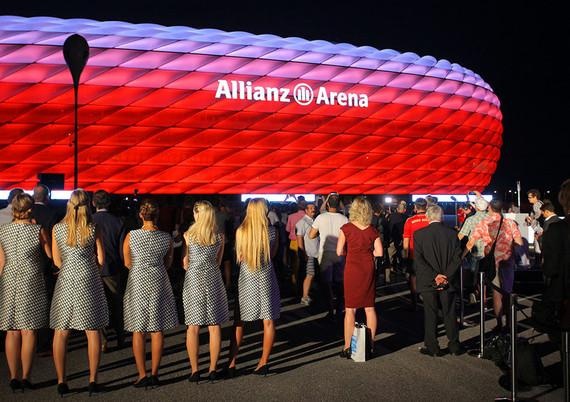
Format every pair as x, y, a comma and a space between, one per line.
305, 365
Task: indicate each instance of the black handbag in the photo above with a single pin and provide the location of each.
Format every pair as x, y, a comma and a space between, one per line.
487, 263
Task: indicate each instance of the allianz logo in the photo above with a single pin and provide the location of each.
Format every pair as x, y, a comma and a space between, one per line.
302, 93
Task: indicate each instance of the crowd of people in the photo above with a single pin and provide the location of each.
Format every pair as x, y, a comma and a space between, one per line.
92, 271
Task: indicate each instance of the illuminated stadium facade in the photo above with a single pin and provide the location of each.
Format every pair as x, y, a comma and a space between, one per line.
180, 110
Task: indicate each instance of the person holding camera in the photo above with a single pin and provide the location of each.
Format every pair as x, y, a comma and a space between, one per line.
437, 257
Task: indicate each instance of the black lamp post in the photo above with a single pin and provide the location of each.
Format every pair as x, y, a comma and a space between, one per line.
76, 53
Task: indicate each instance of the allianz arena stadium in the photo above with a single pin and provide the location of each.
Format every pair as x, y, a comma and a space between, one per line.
177, 110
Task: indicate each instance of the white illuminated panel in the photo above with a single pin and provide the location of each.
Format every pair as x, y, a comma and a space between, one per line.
55, 194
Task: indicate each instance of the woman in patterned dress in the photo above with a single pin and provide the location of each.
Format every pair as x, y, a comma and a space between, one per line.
24, 304
258, 291
149, 304
79, 299
362, 243
204, 295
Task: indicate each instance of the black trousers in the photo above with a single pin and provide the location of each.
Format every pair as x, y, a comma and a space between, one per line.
114, 291
431, 307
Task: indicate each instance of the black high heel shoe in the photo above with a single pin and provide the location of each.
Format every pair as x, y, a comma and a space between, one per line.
194, 377
141, 382
230, 372
345, 354
154, 381
62, 389
261, 371
27, 385
212, 376
95, 388
15, 385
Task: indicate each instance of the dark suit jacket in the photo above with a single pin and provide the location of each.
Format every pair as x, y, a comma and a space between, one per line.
45, 216
436, 251
111, 229
556, 260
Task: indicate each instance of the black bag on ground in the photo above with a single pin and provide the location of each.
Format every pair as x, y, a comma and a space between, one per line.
497, 349
487, 265
530, 370
544, 316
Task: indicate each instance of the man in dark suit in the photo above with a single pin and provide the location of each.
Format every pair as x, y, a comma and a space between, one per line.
437, 259
556, 260
113, 271
47, 217
42, 213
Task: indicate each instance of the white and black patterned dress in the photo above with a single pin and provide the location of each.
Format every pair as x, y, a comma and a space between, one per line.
258, 291
149, 303
78, 299
204, 295
24, 301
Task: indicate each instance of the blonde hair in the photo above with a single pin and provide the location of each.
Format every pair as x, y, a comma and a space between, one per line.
204, 230
361, 211
22, 206
252, 236
78, 218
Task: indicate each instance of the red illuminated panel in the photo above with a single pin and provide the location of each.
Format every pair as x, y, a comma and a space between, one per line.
183, 110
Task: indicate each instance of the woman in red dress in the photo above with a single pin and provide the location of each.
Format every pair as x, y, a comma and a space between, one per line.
362, 245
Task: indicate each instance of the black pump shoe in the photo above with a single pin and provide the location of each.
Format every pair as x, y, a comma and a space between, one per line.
154, 381
212, 376
345, 354
15, 385
62, 389
194, 377
95, 388
262, 371
230, 373
27, 385
141, 383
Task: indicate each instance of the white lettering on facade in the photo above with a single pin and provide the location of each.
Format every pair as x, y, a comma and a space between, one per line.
245, 90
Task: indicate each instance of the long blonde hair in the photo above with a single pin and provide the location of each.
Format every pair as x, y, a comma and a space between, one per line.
252, 237
361, 211
204, 230
78, 218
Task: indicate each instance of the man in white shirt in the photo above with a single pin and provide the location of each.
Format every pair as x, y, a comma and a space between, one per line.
328, 225
308, 249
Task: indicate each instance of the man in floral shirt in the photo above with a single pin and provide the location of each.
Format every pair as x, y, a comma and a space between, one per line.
508, 236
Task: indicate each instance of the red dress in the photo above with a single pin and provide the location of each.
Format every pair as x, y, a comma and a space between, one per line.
359, 278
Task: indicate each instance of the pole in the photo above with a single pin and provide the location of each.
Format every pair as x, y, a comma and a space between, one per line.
566, 364
513, 300
75, 141
481, 352
513, 308
75, 53
461, 294
518, 193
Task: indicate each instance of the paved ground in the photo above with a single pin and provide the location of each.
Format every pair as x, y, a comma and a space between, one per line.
305, 364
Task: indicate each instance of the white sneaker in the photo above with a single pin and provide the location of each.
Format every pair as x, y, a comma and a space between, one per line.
306, 301
472, 298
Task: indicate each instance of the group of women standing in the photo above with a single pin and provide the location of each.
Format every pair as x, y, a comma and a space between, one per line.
79, 303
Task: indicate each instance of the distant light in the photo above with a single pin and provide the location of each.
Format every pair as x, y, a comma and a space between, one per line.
388, 200
547, 191
447, 197
510, 191
495, 192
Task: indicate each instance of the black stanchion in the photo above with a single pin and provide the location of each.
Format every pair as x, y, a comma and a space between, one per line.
479, 353
513, 307
566, 364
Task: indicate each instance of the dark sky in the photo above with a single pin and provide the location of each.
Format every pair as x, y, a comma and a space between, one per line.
519, 48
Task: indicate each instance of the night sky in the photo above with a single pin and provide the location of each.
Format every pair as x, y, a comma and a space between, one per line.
519, 48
